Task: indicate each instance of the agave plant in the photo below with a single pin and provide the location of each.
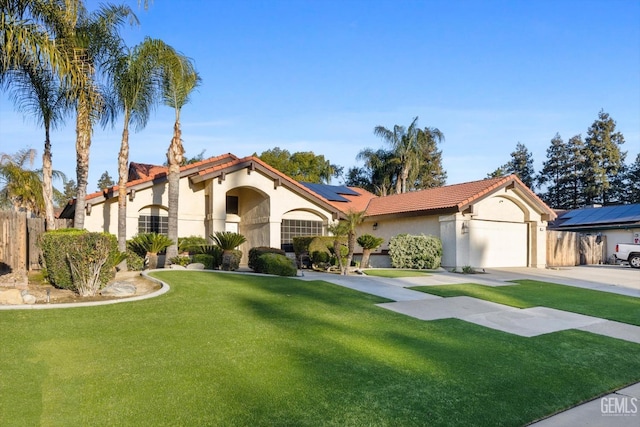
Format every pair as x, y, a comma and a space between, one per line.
228, 241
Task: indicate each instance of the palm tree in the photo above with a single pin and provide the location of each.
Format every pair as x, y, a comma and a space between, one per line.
90, 43
36, 92
382, 167
134, 79
28, 31
178, 81
352, 220
20, 187
339, 230
410, 146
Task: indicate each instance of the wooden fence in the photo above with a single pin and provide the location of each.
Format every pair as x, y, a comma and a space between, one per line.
569, 248
19, 235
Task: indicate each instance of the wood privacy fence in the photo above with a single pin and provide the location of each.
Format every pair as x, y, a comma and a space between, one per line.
568, 248
19, 235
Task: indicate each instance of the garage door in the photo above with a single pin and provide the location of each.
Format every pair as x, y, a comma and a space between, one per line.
497, 244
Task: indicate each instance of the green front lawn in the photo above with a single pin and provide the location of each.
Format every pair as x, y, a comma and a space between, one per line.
228, 349
532, 293
395, 273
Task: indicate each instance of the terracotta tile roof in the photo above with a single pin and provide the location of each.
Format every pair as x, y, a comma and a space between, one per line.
453, 198
355, 203
139, 173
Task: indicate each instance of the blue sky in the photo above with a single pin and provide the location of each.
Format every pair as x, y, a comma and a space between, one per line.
320, 75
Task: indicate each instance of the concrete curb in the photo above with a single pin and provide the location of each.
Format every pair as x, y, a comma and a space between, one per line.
164, 288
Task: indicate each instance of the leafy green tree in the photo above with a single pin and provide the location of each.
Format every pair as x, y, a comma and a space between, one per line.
301, 166
105, 181
430, 173
521, 164
179, 79
603, 160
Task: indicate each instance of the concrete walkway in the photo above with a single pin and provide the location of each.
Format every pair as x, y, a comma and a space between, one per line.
621, 408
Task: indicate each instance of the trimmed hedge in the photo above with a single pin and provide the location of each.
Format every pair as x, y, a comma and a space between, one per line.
255, 253
56, 244
190, 244
420, 252
274, 263
207, 260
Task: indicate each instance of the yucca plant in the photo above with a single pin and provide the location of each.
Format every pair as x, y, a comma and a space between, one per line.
149, 245
228, 241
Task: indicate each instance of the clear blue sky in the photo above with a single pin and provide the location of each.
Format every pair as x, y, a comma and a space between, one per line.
320, 75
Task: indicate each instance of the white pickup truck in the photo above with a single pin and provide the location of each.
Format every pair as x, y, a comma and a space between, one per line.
628, 252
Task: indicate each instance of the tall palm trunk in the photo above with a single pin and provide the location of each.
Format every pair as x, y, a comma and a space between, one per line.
47, 186
174, 158
123, 160
83, 143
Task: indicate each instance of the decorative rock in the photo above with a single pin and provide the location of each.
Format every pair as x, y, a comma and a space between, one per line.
27, 298
11, 296
195, 266
119, 289
177, 267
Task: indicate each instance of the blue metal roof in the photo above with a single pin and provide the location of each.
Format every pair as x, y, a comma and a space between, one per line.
604, 215
330, 192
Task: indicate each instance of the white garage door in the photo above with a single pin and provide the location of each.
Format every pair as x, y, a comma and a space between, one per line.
497, 244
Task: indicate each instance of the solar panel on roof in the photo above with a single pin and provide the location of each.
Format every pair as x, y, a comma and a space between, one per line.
603, 215
330, 192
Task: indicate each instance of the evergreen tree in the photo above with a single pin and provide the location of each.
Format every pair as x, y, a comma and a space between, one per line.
430, 172
105, 181
603, 161
554, 175
521, 164
632, 182
575, 173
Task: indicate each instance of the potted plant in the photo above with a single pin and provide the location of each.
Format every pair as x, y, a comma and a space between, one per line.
228, 241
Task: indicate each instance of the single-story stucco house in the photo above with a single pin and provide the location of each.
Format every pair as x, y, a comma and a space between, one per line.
496, 222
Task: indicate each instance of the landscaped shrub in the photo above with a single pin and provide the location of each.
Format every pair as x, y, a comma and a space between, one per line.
233, 259
228, 241
368, 243
207, 260
407, 251
274, 263
254, 254
93, 262
320, 257
56, 244
181, 260
78, 260
213, 250
308, 245
190, 244
135, 262
148, 245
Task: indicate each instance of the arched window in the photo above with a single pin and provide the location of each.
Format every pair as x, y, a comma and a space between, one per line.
153, 219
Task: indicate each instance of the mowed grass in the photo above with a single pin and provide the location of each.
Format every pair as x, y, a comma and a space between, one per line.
532, 293
395, 273
228, 349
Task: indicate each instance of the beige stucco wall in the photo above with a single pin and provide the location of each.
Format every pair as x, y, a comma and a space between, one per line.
499, 231
202, 208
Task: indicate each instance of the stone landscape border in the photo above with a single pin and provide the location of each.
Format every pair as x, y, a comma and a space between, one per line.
164, 288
